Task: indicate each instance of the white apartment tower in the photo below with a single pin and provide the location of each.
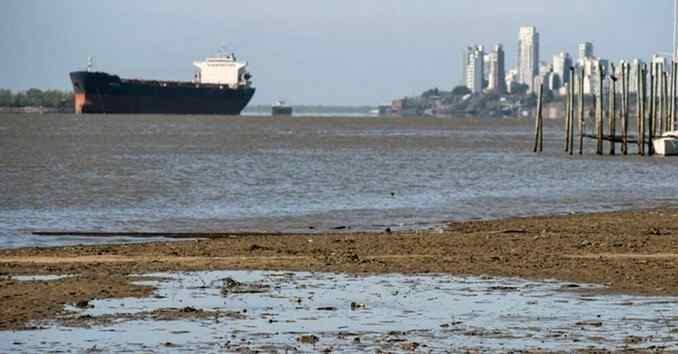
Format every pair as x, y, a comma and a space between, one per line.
528, 55
474, 61
633, 77
663, 61
561, 67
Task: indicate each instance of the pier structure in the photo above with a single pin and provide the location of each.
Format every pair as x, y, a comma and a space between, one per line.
612, 107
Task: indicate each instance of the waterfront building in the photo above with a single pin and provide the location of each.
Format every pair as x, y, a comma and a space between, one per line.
511, 80
561, 67
552, 82
661, 60
585, 52
497, 70
591, 74
474, 60
633, 77
528, 55
487, 62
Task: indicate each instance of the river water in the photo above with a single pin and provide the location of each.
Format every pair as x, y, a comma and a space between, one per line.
311, 174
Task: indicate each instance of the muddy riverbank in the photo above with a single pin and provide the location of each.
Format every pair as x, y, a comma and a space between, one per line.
627, 252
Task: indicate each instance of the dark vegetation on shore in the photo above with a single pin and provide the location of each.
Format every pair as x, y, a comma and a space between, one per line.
36, 98
461, 102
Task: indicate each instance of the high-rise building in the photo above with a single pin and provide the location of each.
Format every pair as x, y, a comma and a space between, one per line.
661, 60
528, 55
462, 77
474, 60
592, 74
561, 67
497, 75
633, 76
585, 52
487, 62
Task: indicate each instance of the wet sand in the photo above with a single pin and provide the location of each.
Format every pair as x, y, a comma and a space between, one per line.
627, 252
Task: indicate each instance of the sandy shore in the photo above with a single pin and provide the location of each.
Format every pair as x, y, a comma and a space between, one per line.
629, 252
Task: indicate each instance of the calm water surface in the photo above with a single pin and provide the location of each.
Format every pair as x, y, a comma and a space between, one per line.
192, 173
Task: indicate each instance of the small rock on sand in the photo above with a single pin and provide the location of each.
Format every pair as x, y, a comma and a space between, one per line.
232, 286
308, 339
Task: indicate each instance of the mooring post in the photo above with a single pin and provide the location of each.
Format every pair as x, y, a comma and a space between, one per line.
572, 108
624, 109
653, 110
660, 96
582, 123
567, 116
671, 97
541, 117
674, 85
665, 101
600, 111
639, 103
537, 124
628, 107
643, 107
612, 124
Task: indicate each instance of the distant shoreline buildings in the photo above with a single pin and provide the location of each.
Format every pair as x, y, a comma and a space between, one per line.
488, 88
528, 56
486, 72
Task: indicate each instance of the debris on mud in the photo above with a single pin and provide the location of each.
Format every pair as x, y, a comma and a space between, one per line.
232, 286
308, 339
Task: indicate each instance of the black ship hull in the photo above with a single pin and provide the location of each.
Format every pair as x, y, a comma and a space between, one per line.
97, 92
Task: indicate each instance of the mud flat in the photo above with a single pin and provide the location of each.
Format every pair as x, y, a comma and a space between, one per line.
629, 260
327, 312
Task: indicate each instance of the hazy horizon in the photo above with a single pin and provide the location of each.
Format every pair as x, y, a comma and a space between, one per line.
309, 52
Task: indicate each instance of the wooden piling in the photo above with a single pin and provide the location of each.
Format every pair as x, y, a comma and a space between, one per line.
582, 123
644, 107
566, 117
612, 102
573, 92
600, 112
624, 109
541, 117
674, 85
639, 86
538, 123
653, 109
664, 119
641, 100
660, 98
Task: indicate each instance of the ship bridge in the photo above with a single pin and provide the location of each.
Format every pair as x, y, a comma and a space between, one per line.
222, 70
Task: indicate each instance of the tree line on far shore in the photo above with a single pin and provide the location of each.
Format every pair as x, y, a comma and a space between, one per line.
36, 98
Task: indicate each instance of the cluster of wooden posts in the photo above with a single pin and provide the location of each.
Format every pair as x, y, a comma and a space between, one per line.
654, 111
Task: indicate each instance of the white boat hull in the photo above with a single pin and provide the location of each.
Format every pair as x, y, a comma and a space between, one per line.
666, 145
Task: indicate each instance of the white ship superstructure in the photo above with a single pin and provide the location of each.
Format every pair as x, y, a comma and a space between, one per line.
222, 70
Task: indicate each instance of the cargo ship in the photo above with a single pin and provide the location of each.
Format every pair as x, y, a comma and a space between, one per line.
221, 85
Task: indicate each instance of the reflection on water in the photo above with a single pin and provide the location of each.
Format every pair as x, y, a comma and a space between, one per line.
189, 173
436, 313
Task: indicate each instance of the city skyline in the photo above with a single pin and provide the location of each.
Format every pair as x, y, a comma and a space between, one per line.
310, 53
531, 71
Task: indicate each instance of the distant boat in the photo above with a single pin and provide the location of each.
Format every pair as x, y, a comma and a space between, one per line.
280, 108
667, 144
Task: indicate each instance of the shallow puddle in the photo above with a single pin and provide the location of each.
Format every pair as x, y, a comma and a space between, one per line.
344, 313
48, 277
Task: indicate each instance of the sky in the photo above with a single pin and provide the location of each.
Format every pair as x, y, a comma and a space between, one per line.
330, 52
